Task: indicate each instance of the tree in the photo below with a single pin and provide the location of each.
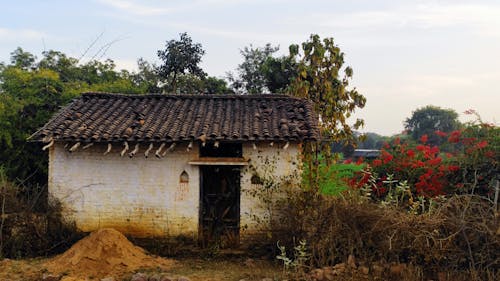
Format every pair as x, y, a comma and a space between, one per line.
32, 91
251, 77
319, 67
279, 73
431, 119
22, 59
180, 57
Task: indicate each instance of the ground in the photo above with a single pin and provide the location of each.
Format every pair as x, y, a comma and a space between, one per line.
196, 269
107, 253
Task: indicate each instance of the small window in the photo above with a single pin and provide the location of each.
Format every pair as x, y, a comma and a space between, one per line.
184, 178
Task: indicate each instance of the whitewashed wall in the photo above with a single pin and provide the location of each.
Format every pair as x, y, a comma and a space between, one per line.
271, 163
143, 196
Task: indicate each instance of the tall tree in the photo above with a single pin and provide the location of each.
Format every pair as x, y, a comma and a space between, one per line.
429, 119
324, 81
251, 77
320, 65
180, 57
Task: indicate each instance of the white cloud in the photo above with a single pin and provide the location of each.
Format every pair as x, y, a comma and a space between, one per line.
136, 8
128, 64
10, 34
483, 18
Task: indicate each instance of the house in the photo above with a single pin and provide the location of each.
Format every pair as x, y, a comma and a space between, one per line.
171, 165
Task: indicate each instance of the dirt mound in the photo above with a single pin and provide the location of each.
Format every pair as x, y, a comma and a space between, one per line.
104, 252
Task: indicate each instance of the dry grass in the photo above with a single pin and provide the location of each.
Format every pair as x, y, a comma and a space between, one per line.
457, 237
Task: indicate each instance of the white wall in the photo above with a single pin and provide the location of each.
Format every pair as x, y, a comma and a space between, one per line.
143, 196
139, 196
273, 164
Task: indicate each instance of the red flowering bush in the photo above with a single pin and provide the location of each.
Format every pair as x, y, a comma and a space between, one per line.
468, 165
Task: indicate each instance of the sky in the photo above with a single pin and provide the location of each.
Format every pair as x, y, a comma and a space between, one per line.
405, 54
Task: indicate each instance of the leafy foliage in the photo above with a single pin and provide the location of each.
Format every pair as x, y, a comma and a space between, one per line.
429, 119
179, 57
469, 167
32, 91
319, 66
251, 77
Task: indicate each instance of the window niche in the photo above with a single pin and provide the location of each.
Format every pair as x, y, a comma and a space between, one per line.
183, 189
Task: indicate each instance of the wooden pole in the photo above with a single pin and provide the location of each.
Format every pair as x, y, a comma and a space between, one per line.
51, 143
74, 147
125, 148
146, 153
157, 153
108, 150
133, 152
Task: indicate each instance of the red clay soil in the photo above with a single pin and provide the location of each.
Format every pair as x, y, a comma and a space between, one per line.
105, 252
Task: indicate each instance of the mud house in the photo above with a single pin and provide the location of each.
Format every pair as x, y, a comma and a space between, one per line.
167, 165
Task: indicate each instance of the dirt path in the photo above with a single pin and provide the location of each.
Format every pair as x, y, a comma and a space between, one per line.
194, 268
107, 253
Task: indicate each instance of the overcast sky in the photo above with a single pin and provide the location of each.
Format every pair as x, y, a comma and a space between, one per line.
405, 54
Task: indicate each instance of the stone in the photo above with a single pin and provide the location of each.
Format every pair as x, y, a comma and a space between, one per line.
397, 269
108, 279
267, 279
50, 277
377, 270
318, 274
364, 270
139, 277
328, 273
167, 278
155, 277
183, 278
339, 268
249, 263
351, 261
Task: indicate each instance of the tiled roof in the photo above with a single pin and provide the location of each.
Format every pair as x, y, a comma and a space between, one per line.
103, 117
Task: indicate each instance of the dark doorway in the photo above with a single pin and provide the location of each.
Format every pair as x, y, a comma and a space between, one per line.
220, 206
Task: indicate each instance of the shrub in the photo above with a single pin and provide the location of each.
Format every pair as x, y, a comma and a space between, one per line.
470, 166
25, 231
458, 236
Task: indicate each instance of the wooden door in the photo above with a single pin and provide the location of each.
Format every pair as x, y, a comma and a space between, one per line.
220, 206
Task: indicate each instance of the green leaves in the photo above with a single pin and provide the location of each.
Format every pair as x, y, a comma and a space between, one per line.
319, 80
179, 57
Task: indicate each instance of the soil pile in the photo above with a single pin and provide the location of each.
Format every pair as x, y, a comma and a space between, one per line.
104, 252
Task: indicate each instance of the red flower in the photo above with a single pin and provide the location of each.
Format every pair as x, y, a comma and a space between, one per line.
453, 168
454, 137
386, 157
435, 150
489, 154
440, 133
420, 147
482, 144
424, 138
348, 161
397, 141
410, 153
377, 162
360, 161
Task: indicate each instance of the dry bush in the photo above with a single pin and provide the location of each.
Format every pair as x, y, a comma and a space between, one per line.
459, 236
29, 226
